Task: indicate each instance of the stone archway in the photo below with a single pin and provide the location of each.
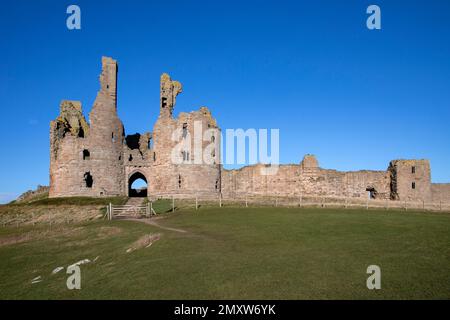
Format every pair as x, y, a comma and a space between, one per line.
136, 189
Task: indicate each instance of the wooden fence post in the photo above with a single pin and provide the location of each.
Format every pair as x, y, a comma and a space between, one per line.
151, 207
246, 201
196, 202
110, 211
173, 204
220, 200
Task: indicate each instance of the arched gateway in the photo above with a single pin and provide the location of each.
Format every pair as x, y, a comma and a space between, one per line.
137, 185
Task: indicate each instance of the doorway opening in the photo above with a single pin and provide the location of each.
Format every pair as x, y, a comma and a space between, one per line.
137, 185
372, 192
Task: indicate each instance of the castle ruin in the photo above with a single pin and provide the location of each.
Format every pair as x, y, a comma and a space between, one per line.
97, 159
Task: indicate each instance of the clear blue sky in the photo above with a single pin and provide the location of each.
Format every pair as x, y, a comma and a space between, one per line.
355, 98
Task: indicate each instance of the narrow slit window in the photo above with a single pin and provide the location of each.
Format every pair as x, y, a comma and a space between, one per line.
185, 130
185, 155
88, 180
413, 185
413, 170
86, 154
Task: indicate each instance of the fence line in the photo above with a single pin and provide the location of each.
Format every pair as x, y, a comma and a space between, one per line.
301, 201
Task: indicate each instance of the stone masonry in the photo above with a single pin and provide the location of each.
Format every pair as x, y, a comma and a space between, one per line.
97, 159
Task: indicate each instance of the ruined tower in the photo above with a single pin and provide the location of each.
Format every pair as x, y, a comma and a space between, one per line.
68, 139
87, 159
180, 145
97, 159
410, 180
106, 135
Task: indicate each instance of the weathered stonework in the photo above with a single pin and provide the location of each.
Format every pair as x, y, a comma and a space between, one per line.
104, 162
306, 179
97, 159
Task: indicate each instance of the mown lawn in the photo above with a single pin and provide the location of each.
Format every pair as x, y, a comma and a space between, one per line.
236, 253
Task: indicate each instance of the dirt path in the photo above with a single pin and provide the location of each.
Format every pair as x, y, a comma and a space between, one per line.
135, 201
155, 224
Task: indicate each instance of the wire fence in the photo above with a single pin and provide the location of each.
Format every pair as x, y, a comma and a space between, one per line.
177, 202
165, 203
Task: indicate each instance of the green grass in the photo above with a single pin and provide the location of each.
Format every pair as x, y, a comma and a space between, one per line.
238, 253
162, 205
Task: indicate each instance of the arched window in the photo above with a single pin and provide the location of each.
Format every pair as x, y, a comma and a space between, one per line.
137, 185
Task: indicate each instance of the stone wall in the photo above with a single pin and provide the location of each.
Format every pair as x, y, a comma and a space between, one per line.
181, 157
305, 179
440, 192
68, 139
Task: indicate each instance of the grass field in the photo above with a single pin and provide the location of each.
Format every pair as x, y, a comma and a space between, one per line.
235, 253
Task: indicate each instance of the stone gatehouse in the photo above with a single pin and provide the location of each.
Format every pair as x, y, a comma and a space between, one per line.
97, 158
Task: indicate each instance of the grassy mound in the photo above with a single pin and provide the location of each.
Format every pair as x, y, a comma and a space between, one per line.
77, 201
